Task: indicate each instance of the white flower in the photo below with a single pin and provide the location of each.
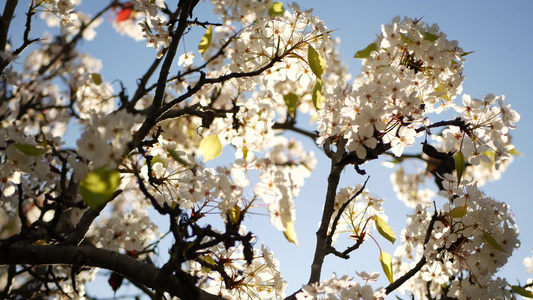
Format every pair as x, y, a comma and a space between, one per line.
528, 262
186, 59
405, 137
368, 277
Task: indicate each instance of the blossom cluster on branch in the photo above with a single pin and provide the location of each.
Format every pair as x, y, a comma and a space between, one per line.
152, 152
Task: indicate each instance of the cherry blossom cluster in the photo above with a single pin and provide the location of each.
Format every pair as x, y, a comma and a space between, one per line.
26, 164
277, 184
62, 10
407, 187
142, 20
131, 231
343, 288
80, 73
358, 213
471, 238
259, 280
273, 38
61, 13
488, 138
104, 140
243, 12
413, 70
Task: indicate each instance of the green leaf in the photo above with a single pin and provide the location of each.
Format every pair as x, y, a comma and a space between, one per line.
290, 233
98, 186
430, 37
365, 53
386, 263
97, 78
466, 53
235, 214
276, 10
522, 291
515, 152
208, 259
316, 62
44, 144
318, 99
291, 100
177, 157
459, 211
443, 92
211, 147
459, 159
206, 40
384, 229
30, 150
406, 40
244, 152
492, 241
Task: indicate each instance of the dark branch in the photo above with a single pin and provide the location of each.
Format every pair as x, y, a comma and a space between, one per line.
93, 257
396, 284
291, 127
341, 211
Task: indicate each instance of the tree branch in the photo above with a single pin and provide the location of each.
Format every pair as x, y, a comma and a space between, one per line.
77, 235
456, 122
396, 284
329, 208
93, 257
291, 127
341, 211
169, 58
68, 47
5, 22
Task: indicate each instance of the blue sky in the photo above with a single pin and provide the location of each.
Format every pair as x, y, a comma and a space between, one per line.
499, 33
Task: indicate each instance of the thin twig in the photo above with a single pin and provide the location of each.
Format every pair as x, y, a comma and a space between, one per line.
398, 282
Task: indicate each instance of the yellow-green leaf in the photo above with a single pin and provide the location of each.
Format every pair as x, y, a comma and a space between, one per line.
406, 40
384, 229
208, 259
442, 92
157, 159
276, 10
522, 291
291, 100
386, 263
97, 78
235, 214
44, 144
515, 152
244, 152
459, 211
211, 147
290, 233
177, 157
316, 62
430, 37
492, 241
459, 159
98, 186
318, 99
206, 40
30, 150
365, 53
